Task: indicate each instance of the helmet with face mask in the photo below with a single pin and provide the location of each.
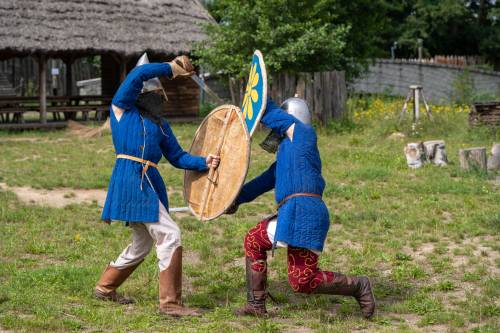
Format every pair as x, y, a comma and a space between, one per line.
294, 106
153, 84
151, 101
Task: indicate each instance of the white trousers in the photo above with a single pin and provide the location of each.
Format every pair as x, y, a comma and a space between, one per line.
271, 232
164, 234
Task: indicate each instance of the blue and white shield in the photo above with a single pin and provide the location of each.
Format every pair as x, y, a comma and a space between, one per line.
255, 99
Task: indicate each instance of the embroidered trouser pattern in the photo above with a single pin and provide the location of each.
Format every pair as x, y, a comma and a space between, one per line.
303, 272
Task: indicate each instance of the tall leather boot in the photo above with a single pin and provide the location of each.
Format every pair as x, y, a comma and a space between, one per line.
358, 287
256, 291
110, 280
171, 289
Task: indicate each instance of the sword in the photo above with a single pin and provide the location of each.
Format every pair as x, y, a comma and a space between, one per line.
209, 91
178, 209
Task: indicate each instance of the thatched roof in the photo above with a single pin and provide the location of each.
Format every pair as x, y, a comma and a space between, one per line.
126, 27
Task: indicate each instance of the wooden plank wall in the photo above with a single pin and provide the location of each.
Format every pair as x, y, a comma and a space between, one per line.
22, 73
324, 92
183, 97
182, 93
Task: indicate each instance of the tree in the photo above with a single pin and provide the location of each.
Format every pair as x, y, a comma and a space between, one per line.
293, 36
458, 27
369, 26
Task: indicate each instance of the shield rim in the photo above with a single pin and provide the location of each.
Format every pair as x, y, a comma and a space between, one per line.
264, 84
249, 150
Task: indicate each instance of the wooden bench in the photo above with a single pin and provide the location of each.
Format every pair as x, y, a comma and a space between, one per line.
12, 108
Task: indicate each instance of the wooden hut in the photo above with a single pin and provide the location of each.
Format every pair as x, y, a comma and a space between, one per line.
119, 31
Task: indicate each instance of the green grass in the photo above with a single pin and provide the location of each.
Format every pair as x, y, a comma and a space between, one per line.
428, 238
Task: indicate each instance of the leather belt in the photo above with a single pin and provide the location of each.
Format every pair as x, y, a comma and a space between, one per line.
303, 194
144, 162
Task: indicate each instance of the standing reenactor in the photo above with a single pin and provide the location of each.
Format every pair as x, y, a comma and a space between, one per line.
137, 193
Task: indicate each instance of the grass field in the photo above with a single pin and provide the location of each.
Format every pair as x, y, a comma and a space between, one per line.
428, 238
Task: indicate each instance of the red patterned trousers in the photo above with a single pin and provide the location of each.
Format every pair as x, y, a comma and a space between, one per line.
303, 272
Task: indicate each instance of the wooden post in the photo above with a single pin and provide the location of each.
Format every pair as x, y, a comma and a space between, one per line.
42, 87
318, 105
68, 61
69, 75
339, 94
473, 158
416, 102
123, 69
122, 63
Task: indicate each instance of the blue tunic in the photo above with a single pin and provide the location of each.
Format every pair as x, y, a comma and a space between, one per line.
134, 135
302, 221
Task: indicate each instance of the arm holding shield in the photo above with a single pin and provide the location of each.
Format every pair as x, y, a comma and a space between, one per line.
181, 159
254, 188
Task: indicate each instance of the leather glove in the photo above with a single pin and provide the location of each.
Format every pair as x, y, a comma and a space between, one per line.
232, 209
181, 66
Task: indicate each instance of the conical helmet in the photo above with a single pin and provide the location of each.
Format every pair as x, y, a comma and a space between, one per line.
153, 84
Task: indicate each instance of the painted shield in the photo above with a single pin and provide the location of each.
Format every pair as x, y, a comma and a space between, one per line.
255, 99
223, 132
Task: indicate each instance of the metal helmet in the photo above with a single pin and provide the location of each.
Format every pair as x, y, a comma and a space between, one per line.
153, 84
297, 107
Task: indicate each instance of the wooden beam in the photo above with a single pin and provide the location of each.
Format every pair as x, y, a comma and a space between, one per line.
123, 69
68, 61
42, 87
122, 62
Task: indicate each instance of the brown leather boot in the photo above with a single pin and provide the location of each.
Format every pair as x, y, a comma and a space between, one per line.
358, 287
171, 289
110, 280
256, 291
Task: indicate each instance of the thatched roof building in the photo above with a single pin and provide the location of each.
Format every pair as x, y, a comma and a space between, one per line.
117, 30
126, 27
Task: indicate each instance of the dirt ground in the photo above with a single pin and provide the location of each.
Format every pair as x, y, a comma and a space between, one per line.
59, 197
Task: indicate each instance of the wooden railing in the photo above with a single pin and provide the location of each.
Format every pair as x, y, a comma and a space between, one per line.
13, 108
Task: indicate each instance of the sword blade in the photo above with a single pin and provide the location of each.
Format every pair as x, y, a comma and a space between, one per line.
209, 91
178, 209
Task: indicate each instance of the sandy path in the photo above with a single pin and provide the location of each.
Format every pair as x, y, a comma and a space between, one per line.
58, 197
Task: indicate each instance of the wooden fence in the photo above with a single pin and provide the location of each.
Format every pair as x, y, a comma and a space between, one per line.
324, 92
453, 60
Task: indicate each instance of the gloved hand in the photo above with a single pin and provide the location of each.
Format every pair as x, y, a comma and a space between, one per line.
232, 209
181, 66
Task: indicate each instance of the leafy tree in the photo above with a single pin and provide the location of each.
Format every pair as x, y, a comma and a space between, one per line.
369, 23
444, 25
453, 27
489, 44
316, 35
293, 36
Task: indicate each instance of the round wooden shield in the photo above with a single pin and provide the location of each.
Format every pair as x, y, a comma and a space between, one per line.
223, 132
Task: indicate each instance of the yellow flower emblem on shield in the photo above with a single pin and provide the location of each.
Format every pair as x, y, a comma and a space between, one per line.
251, 94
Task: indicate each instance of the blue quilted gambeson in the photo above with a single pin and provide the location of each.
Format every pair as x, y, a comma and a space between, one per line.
302, 221
131, 198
